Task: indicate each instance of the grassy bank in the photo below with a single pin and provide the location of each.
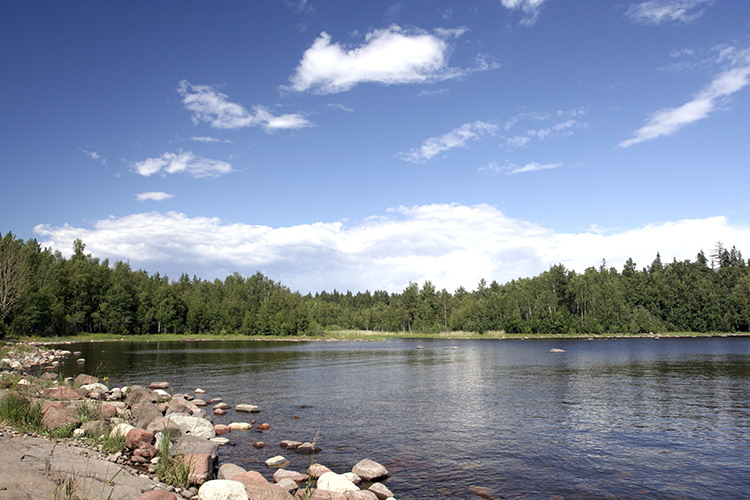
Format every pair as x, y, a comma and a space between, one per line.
359, 335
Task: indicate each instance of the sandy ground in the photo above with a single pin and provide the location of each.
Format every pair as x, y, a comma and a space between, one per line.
36, 468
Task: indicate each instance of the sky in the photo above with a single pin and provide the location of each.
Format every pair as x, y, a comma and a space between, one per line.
364, 145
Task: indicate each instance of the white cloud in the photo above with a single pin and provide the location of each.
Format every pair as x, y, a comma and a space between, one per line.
341, 107
511, 169
389, 56
213, 107
662, 11
153, 196
561, 123
182, 162
448, 244
210, 139
95, 156
530, 9
456, 138
669, 120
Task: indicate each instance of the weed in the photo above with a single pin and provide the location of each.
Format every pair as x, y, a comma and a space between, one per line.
88, 411
113, 444
171, 470
63, 432
18, 412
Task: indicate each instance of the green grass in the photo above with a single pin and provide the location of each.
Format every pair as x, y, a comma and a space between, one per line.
170, 469
19, 412
88, 411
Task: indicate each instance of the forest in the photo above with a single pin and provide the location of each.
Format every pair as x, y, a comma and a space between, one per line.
43, 293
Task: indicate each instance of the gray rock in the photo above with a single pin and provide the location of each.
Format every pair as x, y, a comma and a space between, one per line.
228, 471
287, 484
330, 481
297, 477
140, 395
194, 445
369, 470
361, 495
144, 414
380, 490
95, 428
192, 425
222, 489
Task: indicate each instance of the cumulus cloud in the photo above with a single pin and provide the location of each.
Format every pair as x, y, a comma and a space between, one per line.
153, 196
663, 11
669, 120
530, 9
388, 56
511, 169
182, 162
456, 138
451, 245
213, 107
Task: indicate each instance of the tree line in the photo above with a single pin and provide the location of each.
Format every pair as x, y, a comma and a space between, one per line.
46, 294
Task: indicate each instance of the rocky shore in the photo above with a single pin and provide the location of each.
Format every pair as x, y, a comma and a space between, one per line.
93, 441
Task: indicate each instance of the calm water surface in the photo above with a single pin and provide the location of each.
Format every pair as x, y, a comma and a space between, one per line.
638, 418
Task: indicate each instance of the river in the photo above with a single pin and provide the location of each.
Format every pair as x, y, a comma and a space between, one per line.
626, 418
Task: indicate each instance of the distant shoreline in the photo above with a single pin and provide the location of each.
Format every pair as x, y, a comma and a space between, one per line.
361, 336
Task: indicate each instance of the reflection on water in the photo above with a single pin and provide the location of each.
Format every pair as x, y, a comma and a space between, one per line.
628, 418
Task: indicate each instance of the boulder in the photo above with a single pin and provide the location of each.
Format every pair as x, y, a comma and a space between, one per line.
199, 402
219, 412
140, 395
63, 393
221, 406
247, 408
317, 470
95, 386
330, 481
221, 441
277, 461
191, 445
83, 379
162, 395
213, 401
199, 391
380, 490
136, 438
144, 414
222, 489
107, 410
55, 418
369, 470
201, 465
228, 471
158, 385
250, 477
289, 445
297, 477
263, 427
192, 425
146, 451
221, 429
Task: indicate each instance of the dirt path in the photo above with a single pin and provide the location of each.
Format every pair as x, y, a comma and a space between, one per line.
36, 468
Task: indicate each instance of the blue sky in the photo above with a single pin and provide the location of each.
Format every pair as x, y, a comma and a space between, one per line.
364, 145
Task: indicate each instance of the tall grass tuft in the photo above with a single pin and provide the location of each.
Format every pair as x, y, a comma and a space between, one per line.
17, 411
171, 470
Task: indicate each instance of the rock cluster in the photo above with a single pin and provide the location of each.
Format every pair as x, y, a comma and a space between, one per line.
148, 418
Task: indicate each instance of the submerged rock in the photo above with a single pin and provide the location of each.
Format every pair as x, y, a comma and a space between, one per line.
369, 470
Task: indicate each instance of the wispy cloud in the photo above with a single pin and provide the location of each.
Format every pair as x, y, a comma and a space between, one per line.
153, 196
559, 123
95, 156
213, 107
456, 138
182, 162
511, 169
388, 56
340, 107
210, 139
530, 9
663, 11
451, 245
669, 120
